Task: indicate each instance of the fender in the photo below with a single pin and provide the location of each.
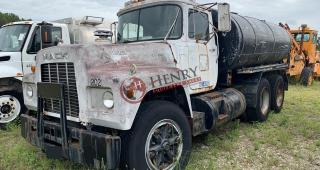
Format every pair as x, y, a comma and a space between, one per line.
9, 69
179, 95
10, 65
10, 84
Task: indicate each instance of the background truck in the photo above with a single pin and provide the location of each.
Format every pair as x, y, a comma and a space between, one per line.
19, 44
179, 69
304, 57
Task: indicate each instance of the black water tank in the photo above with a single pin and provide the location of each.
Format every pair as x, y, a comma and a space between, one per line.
251, 42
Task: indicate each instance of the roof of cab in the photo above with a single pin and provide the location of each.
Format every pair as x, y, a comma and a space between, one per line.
138, 4
31, 23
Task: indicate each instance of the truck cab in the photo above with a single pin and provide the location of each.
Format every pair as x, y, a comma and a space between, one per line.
308, 39
21, 41
190, 30
305, 65
19, 44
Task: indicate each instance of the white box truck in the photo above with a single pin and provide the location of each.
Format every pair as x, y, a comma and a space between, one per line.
19, 44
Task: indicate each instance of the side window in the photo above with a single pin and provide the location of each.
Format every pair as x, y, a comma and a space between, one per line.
314, 39
56, 35
130, 32
198, 25
306, 37
35, 43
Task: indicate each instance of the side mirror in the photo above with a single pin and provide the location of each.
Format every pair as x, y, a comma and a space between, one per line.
224, 17
46, 35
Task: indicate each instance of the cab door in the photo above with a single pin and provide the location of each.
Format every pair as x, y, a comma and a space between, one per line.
202, 51
32, 46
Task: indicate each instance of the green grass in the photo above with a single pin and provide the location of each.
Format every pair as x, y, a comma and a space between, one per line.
289, 140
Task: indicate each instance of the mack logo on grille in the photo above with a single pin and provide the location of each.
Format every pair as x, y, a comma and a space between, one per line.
51, 56
63, 73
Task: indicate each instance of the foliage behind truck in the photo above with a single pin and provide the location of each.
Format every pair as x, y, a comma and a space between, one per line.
19, 44
179, 69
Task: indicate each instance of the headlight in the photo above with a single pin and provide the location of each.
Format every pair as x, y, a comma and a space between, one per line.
108, 100
29, 91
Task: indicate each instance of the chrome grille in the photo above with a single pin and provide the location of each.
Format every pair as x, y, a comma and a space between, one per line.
61, 73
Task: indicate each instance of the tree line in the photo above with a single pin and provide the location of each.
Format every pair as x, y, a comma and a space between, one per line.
6, 18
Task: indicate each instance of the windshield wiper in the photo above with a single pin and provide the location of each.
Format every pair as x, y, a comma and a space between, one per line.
127, 41
172, 26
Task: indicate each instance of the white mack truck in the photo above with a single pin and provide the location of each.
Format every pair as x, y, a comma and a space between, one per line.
179, 69
19, 44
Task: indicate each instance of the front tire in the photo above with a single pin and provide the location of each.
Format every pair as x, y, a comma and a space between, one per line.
307, 76
160, 138
262, 109
11, 106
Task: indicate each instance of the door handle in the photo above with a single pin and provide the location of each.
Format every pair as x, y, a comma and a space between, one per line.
212, 50
5, 58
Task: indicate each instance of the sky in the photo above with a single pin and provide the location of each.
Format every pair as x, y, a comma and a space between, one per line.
293, 12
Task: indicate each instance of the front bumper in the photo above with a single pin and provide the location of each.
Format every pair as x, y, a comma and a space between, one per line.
85, 147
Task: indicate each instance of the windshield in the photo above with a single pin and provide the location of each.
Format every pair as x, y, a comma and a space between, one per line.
152, 23
12, 37
298, 37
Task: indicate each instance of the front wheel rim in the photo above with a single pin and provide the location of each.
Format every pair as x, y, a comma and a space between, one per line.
163, 148
10, 108
310, 80
265, 101
280, 94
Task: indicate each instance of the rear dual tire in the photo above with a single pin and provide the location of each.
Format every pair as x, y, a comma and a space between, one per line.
270, 96
261, 111
277, 92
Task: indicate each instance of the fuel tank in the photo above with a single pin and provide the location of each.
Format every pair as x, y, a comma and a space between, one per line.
251, 42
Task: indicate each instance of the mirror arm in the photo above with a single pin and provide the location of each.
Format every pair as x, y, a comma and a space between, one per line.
212, 34
212, 4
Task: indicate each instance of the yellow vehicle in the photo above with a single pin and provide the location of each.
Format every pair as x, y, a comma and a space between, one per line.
304, 62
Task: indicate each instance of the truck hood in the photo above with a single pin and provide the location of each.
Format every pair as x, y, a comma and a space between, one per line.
97, 56
110, 61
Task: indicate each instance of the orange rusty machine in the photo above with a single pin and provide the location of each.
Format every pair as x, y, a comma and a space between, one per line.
304, 62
